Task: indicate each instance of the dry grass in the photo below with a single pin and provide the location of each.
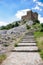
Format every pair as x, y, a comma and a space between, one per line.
2, 57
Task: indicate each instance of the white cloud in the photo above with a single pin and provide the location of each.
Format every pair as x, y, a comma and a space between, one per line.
40, 18
37, 8
15, 17
34, 0
39, 3
3, 23
21, 13
18, 15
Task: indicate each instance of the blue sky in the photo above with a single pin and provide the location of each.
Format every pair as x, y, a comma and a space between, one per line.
11, 10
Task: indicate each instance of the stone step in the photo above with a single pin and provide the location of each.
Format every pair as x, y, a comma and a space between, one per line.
28, 40
28, 37
26, 49
27, 44
26, 58
30, 33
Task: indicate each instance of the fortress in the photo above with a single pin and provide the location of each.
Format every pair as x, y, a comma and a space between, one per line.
30, 16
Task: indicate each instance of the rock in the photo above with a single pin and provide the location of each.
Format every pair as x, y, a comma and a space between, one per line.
41, 63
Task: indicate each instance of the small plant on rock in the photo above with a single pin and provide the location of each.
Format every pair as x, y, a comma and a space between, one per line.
2, 57
6, 45
15, 45
27, 26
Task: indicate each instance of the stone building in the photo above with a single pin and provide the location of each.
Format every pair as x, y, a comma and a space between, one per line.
30, 16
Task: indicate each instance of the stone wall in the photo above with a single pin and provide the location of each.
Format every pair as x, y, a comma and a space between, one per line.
30, 16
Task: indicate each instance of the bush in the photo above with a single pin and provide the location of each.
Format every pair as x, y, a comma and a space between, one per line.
24, 21
9, 26
27, 26
41, 30
16, 24
15, 45
2, 27
41, 53
36, 21
41, 24
6, 45
41, 27
37, 27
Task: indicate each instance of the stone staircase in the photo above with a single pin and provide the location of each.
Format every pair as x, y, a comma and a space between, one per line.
27, 44
26, 53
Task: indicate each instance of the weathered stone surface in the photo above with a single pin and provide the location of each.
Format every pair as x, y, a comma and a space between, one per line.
27, 44
41, 63
26, 48
3, 31
21, 58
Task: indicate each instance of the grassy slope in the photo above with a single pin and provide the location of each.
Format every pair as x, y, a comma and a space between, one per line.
39, 39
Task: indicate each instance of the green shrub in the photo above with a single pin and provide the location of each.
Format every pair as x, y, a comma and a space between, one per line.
41, 30
37, 27
41, 53
9, 26
27, 26
41, 24
16, 24
2, 27
15, 45
6, 45
41, 27
24, 21
36, 21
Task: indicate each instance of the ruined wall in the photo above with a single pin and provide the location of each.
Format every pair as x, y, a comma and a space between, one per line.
30, 16
35, 15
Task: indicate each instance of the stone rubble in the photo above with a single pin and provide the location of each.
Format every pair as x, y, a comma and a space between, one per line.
7, 37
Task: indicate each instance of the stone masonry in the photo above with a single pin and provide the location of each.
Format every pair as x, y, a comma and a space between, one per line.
30, 16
